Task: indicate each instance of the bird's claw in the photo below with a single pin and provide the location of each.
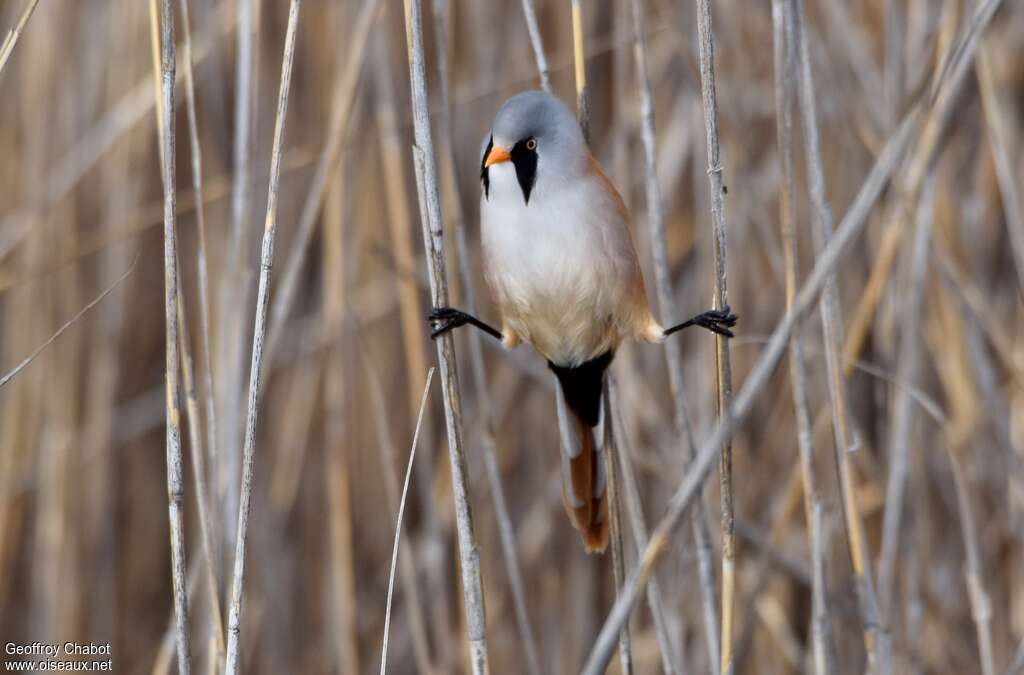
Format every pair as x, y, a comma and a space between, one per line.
443, 319
718, 321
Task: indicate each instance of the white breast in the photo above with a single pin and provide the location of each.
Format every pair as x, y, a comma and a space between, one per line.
556, 266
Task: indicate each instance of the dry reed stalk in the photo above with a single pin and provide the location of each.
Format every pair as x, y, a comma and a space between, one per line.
1001, 147
785, 84
233, 291
981, 606
941, 98
615, 526
673, 350
530, 14
758, 378
7, 47
902, 417
671, 661
199, 477
580, 70
398, 520
175, 489
488, 445
342, 102
337, 418
833, 338
433, 242
721, 300
414, 333
13, 372
202, 276
232, 659
410, 587
164, 654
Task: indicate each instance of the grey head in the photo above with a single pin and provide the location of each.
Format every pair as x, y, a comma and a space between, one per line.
541, 138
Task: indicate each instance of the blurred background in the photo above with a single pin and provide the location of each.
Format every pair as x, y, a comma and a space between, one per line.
84, 551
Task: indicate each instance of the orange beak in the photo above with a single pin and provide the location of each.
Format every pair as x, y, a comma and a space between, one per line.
497, 155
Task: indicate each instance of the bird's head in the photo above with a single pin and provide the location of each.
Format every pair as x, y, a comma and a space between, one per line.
535, 139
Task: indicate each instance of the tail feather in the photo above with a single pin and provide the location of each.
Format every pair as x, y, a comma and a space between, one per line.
581, 424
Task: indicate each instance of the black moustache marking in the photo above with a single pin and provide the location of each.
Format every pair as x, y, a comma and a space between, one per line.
484, 173
525, 162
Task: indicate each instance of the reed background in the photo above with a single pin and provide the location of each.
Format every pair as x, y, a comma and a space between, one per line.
84, 549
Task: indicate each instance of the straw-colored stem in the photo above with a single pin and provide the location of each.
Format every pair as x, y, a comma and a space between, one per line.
673, 350
902, 417
755, 383
530, 13
202, 276
785, 83
433, 242
981, 605
398, 522
671, 661
615, 526
233, 293
410, 586
337, 421
199, 477
175, 488
832, 328
342, 102
999, 143
12, 36
721, 299
488, 446
580, 69
232, 659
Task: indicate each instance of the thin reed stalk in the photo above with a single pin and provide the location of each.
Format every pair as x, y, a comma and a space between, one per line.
232, 660
981, 605
615, 525
342, 102
488, 445
673, 350
537, 43
433, 243
785, 83
671, 661
902, 416
199, 477
13, 372
398, 521
337, 256
758, 378
580, 70
833, 338
202, 276
7, 46
394, 158
999, 142
175, 488
721, 300
410, 587
233, 289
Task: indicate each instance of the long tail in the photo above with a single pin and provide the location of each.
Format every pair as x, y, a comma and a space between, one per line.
581, 430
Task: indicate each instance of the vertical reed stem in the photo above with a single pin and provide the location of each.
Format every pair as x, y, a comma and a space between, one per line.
231, 666
433, 242
175, 489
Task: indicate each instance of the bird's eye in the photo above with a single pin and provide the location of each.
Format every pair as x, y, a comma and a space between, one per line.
531, 144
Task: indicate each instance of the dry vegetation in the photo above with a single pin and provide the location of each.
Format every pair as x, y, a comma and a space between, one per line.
878, 456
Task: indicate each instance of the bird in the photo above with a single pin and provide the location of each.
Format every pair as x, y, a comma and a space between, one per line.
562, 269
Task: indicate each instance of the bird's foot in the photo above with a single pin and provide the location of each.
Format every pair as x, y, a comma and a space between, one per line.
444, 319
717, 321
